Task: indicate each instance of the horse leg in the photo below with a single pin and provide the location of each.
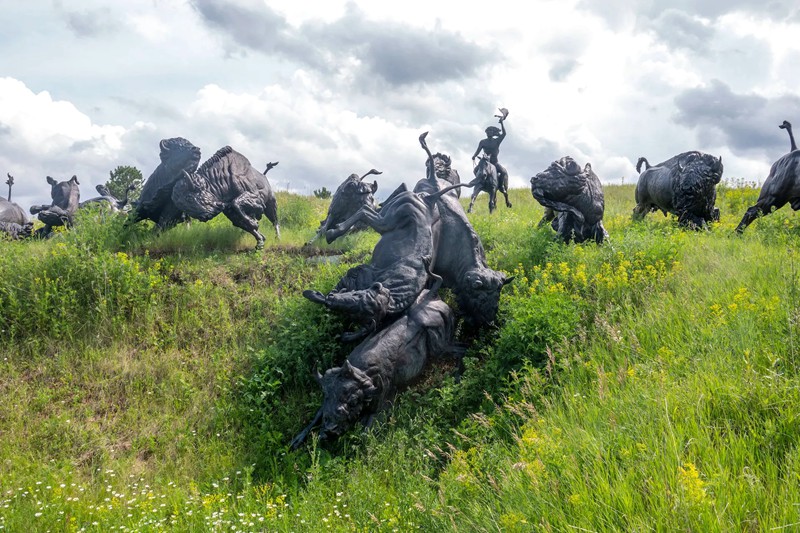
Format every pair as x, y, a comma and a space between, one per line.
504, 187
475, 193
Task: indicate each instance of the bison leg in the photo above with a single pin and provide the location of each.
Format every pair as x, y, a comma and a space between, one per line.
301, 437
364, 214
244, 213
169, 217
761, 208
549, 215
640, 211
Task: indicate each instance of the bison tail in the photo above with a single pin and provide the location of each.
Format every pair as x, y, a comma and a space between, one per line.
639, 164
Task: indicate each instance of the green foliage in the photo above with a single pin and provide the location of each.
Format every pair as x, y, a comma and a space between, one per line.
322, 194
122, 178
152, 381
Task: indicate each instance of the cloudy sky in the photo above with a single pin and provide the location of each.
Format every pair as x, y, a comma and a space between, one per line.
330, 87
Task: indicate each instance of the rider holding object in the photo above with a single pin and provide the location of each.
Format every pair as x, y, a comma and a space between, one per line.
491, 145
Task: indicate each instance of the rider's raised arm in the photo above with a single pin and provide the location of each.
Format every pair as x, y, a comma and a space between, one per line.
502, 129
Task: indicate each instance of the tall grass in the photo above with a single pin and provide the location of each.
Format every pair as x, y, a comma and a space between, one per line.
152, 381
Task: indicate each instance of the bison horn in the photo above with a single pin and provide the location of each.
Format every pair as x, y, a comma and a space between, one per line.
318, 376
347, 368
572, 167
506, 280
51, 181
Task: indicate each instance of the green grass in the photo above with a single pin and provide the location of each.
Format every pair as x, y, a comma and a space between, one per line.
152, 382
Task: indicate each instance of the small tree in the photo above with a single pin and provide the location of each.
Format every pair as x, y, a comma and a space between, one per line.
323, 193
121, 178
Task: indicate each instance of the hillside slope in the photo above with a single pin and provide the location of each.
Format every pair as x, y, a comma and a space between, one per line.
153, 382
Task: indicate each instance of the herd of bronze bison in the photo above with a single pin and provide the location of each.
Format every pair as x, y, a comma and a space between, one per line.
426, 243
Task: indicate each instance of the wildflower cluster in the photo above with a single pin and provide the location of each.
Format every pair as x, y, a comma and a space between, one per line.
232, 504
581, 278
692, 486
743, 303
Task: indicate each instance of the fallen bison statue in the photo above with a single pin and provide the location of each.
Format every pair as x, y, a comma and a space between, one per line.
381, 365
782, 185
66, 196
458, 254
375, 293
350, 196
107, 198
573, 200
14, 221
684, 185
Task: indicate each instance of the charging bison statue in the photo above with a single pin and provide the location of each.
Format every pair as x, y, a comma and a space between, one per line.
351, 195
66, 196
573, 200
227, 183
782, 185
684, 185
155, 202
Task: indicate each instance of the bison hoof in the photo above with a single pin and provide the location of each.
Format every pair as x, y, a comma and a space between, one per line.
314, 296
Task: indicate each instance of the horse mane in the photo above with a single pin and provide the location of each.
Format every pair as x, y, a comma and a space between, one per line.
214, 159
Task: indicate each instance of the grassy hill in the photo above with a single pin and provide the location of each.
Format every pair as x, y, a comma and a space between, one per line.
152, 382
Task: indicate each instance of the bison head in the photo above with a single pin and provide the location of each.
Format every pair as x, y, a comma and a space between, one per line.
478, 295
353, 194
694, 184
177, 155
347, 391
565, 187
441, 166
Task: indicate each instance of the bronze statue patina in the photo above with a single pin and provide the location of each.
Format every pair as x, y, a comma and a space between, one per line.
14, 221
573, 200
227, 183
381, 365
399, 270
439, 166
459, 257
107, 199
65, 196
490, 175
350, 196
684, 185
782, 185
155, 202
